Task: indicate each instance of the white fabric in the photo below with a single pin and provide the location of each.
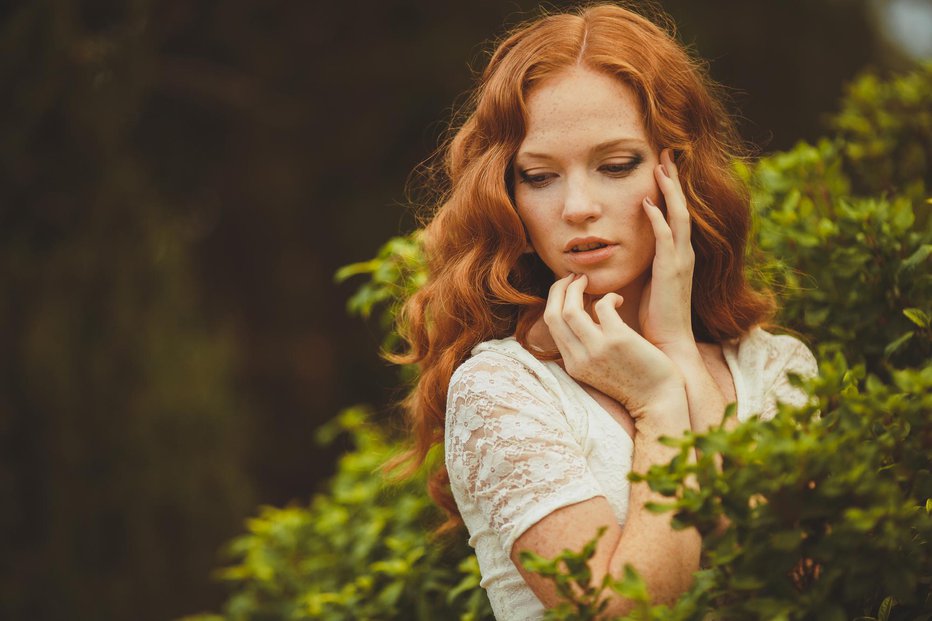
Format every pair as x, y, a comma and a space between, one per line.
524, 439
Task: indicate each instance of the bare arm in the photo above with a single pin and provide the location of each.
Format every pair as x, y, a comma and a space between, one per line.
706, 399
664, 557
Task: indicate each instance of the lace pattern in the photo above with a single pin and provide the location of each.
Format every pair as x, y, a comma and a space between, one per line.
524, 439
510, 450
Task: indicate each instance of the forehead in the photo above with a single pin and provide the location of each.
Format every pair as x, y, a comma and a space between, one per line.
580, 105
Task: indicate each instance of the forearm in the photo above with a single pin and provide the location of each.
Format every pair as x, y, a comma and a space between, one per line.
706, 401
664, 557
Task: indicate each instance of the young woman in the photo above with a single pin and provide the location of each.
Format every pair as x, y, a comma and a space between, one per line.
587, 295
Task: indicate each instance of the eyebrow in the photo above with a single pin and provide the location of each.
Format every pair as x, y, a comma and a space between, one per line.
602, 146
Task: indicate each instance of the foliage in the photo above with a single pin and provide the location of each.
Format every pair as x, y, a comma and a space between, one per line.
827, 506
884, 130
394, 274
583, 600
830, 515
860, 260
358, 551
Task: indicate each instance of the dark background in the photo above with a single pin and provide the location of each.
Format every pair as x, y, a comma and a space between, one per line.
179, 181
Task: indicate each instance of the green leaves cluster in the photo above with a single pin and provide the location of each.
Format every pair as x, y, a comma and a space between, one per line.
828, 513
361, 550
884, 129
829, 509
827, 506
583, 599
846, 225
397, 271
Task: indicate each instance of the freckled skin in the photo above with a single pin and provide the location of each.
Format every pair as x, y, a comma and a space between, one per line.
584, 169
568, 116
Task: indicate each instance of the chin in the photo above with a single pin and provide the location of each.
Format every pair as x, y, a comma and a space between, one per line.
601, 287
600, 284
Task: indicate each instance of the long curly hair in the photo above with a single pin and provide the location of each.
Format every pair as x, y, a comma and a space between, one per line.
482, 285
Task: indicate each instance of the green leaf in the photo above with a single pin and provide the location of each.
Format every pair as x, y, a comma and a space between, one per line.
917, 316
886, 608
354, 269
919, 256
390, 595
901, 340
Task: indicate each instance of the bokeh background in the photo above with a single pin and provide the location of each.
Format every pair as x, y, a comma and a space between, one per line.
179, 181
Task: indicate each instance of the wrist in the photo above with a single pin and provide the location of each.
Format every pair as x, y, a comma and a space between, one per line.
664, 413
684, 353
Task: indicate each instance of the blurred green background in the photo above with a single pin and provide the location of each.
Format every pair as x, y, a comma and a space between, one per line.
178, 183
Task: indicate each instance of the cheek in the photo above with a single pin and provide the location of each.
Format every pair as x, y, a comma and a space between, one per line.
633, 204
535, 214
648, 188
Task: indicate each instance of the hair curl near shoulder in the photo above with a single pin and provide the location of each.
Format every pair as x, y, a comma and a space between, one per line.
482, 286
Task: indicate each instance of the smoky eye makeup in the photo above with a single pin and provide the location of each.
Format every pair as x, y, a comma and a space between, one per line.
534, 179
622, 167
617, 166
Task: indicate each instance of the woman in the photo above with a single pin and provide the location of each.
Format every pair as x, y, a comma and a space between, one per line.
587, 295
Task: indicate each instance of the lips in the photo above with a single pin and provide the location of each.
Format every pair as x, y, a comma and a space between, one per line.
591, 257
587, 247
586, 251
584, 244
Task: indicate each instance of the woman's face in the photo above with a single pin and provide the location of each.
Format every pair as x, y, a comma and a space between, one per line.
580, 175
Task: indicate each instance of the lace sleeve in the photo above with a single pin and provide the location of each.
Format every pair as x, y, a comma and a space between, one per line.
510, 451
796, 358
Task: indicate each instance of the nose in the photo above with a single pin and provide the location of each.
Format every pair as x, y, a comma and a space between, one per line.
580, 203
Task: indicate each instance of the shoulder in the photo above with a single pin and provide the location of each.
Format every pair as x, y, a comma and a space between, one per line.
774, 355
766, 361
503, 384
500, 366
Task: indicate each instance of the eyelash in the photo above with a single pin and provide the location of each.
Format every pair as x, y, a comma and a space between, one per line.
543, 179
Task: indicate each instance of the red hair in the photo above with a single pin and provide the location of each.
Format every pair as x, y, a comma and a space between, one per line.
482, 286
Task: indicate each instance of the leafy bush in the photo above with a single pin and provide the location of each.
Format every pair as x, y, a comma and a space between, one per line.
395, 273
361, 550
830, 516
829, 504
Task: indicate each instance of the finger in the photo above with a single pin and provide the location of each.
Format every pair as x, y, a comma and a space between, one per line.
562, 334
606, 309
669, 164
575, 315
665, 246
677, 211
555, 296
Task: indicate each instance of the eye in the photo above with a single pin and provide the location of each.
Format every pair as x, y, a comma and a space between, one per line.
620, 169
536, 180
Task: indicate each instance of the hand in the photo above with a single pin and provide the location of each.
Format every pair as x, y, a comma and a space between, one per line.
608, 355
666, 303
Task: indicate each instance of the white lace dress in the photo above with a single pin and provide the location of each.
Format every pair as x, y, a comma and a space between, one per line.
524, 439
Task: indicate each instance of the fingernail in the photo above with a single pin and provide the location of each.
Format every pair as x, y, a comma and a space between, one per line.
649, 202
664, 169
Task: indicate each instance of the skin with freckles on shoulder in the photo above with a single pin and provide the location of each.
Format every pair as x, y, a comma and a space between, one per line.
567, 223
